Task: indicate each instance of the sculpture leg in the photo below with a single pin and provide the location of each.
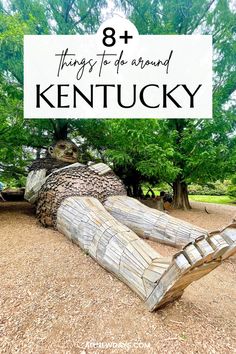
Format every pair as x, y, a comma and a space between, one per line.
158, 226
115, 247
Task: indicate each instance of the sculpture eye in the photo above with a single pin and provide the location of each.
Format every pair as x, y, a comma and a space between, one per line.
62, 146
74, 149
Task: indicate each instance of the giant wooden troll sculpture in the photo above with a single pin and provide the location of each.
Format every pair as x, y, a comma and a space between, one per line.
89, 205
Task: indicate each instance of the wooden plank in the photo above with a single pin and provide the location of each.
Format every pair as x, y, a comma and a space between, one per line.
151, 275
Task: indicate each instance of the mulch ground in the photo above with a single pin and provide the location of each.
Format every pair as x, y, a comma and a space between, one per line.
56, 299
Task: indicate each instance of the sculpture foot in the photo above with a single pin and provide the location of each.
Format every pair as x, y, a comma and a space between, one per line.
197, 259
157, 280
229, 234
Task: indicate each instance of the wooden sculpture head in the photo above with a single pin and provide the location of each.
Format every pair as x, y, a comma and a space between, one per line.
64, 150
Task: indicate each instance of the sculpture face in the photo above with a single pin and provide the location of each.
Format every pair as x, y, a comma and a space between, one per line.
65, 151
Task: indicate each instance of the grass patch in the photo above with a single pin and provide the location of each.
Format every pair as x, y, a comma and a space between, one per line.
219, 199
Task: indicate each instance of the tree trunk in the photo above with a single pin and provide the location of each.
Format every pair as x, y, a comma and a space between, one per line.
60, 127
38, 152
180, 190
134, 189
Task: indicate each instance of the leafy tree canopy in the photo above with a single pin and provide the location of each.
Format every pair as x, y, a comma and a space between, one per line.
176, 151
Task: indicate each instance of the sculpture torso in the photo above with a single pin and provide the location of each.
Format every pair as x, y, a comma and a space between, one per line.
75, 181
59, 175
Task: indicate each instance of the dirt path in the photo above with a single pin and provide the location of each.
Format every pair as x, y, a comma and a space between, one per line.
56, 299
215, 215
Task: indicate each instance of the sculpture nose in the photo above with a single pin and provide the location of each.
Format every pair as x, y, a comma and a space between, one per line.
69, 152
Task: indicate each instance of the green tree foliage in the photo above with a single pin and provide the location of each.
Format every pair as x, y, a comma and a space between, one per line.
138, 149
12, 131
175, 151
232, 188
17, 18
203, 149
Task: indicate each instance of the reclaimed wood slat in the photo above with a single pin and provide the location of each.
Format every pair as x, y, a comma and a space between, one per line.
155, 279
151, 223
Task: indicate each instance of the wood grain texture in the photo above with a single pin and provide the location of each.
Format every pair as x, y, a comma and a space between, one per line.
80, 181
100, 168
118, 249
35, 180
70, 199
150, 223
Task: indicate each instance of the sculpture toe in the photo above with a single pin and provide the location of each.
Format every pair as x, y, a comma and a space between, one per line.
197, 259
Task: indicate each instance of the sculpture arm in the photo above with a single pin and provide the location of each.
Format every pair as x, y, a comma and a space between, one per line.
100, 168
34, 182
37, 178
